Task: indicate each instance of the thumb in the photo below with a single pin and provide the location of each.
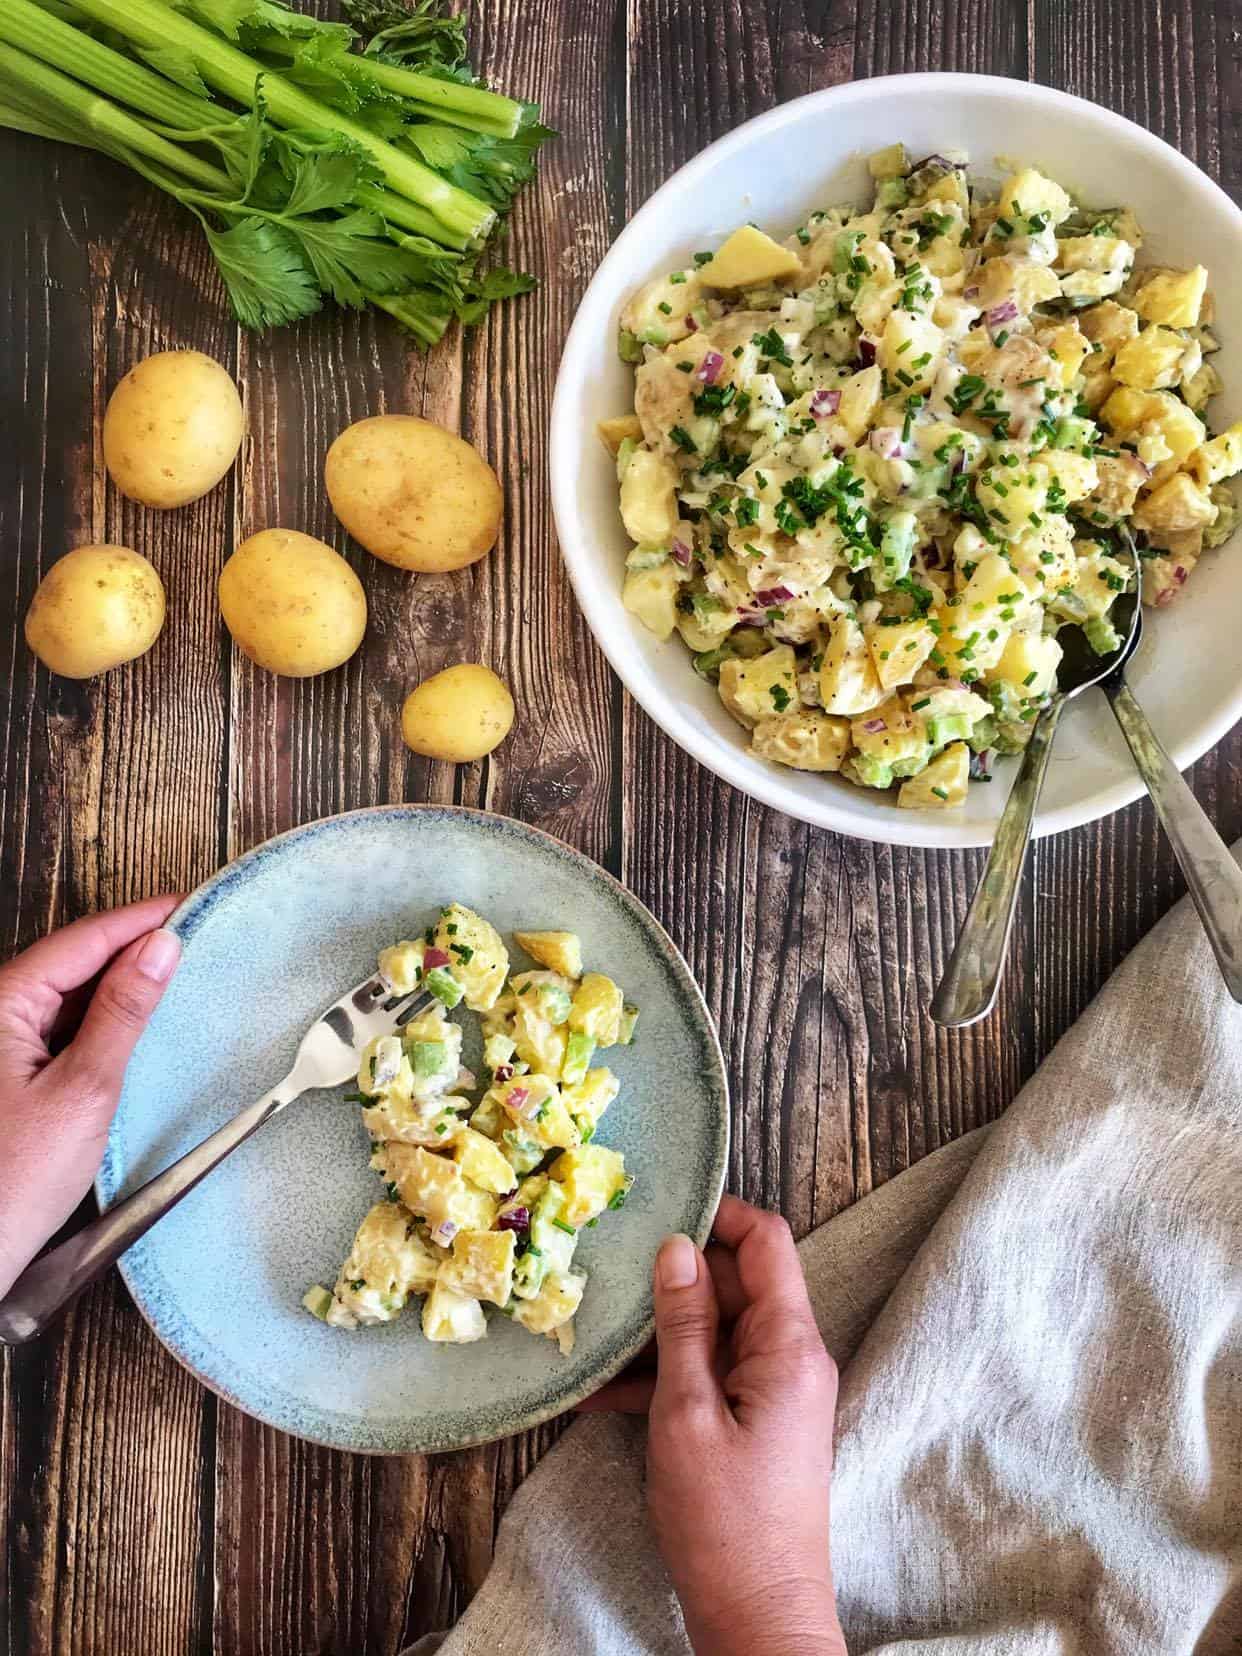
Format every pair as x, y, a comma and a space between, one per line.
687, 1319
120, 1010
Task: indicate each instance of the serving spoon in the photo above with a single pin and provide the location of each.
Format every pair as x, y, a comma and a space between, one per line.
971, 981
329, 1055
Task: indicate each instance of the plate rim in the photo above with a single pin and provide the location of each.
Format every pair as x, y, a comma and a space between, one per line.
719, 1166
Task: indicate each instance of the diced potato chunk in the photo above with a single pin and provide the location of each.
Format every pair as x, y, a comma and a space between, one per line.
860, 397
1178, 504
758, 688
560, 951
1010, 495
898, 651
891, 735
1068, 347
1151, 361
450, 1318
1077, 474
1219, 458
481, 1266
1023, 281
477, 957
482, 1163
806, 740
1172, 297
942, 785
597, 1009
1101, 578
1131, 414
1028, 663
553, 1307
592, 1177
747, 258
434, 1188
587, 1099
400, 966
651, 596
994, 590
1028, 192
622, 428
387, 1263
1108, 325
649, 498
911, 350
848, 682
659, 313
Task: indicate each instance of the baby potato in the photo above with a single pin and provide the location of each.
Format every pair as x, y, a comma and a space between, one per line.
413, 494
458, 715
292, 604
172, 428
95, 608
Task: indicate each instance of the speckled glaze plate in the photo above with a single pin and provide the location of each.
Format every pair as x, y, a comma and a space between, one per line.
269, 942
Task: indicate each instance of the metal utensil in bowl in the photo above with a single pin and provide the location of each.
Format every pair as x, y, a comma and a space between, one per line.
328, 1056
969, 987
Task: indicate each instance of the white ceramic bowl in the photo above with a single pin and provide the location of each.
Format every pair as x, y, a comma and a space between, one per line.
775, 169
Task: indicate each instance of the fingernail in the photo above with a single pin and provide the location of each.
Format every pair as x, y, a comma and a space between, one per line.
159, 955
678, 1263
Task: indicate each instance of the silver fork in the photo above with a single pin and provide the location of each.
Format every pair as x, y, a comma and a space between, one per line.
971, 981
328, 1056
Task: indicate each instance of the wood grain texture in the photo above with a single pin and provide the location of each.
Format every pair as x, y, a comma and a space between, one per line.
138, 1513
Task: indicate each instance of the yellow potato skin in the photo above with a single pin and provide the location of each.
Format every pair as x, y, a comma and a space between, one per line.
96, 607
172, 429
413, 494
457, 715
292, 604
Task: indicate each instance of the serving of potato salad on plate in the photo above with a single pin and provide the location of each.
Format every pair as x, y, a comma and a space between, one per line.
484, 1201
874, 469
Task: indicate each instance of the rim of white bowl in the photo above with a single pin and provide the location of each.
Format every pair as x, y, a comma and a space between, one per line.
734, 766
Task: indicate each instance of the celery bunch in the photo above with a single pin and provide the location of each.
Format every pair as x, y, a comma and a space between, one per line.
372, 177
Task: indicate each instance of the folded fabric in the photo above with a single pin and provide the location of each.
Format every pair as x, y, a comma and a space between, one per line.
1040, 1433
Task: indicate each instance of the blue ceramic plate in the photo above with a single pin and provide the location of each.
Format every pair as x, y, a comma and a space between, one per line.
269, 942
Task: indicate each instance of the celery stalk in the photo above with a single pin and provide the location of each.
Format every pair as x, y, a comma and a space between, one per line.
152, 24
445, 100
86, 110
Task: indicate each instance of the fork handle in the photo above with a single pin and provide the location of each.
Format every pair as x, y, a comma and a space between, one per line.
46, 1287
969, 987
1214, 878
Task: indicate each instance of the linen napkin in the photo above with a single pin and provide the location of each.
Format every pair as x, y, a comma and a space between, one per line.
1040, 1331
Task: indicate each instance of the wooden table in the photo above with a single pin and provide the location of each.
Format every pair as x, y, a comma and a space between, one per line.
138, 1514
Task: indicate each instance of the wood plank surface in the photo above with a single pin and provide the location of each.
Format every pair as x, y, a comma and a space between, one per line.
137, 1513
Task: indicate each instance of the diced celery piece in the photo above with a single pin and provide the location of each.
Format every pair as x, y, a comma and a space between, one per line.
318, 1301
578, 1053
628, 347
443, 985
1102, 636
629, 1017
428, 1058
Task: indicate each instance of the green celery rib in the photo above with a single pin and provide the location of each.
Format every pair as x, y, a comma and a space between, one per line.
17, 119
151, 23
429, 331
68, 102
46, 37
450, 101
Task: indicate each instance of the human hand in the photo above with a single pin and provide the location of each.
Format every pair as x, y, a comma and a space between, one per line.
84, 994
739, 1452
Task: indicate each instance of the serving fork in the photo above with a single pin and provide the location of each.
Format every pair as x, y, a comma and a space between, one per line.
971, 981
329, 1055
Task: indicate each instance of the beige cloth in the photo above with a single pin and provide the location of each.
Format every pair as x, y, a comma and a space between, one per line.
1040, 1327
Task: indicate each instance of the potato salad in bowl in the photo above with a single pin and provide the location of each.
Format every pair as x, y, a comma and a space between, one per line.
873, 470
483, 1201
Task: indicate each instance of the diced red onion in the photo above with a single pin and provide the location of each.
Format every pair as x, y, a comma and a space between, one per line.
775, 595
709, 368
751, 618
681, 554
954, 684
517, 1219
981, 766
465, 1077
517, 1098
970, 292
433, 958
866, 352
824, 403
1139, 461
873, 727
957, 462
940, 161
1179, 574
1167, 596
886, 441
503, 1072
692, 325
1004, 312
444, 1232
